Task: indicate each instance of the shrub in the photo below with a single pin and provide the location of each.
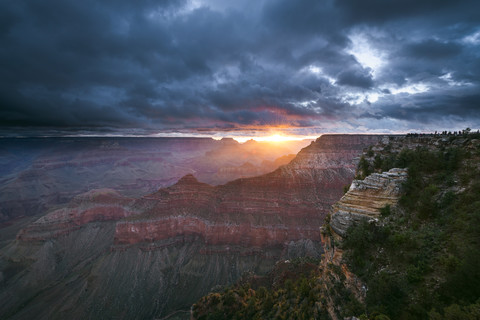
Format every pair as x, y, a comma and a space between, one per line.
385, 211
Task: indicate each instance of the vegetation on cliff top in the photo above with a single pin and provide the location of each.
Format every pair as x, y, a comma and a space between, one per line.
423, 260
293, 290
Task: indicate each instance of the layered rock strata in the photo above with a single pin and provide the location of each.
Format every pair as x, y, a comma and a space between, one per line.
363, 201
95, 205
366, 197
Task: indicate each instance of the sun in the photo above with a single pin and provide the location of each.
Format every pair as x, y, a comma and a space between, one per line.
278, 138
272, 138
275, 138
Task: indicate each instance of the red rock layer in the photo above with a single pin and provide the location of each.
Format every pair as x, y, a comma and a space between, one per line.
244, 234
95, 205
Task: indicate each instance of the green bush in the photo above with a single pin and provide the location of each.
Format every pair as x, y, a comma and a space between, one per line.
385, 211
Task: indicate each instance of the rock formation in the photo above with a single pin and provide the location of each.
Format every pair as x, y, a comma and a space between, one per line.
363, 201
366, 197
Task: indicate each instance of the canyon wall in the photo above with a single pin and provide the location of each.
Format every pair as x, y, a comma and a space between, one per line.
362, 202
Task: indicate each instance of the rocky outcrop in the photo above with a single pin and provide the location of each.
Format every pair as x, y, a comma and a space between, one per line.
366, 197
363, 201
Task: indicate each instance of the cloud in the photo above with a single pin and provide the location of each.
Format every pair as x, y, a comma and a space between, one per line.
356, 77
200, 65
432, 50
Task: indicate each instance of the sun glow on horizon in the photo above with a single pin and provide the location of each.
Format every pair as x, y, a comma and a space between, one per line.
276, 138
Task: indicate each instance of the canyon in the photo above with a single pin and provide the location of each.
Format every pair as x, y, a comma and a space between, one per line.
117, 255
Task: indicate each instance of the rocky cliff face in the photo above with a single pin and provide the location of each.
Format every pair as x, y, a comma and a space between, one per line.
149, 256
440, 193
363, 201
335, 151
366, 197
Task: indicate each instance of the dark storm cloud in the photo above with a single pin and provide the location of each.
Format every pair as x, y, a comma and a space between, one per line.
432, 50
381, 12
161, 65
428, 108
356, 77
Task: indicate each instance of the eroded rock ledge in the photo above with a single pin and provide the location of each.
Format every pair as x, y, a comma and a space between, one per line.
366, 197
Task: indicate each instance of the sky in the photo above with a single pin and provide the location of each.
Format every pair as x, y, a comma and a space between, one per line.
226, 68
